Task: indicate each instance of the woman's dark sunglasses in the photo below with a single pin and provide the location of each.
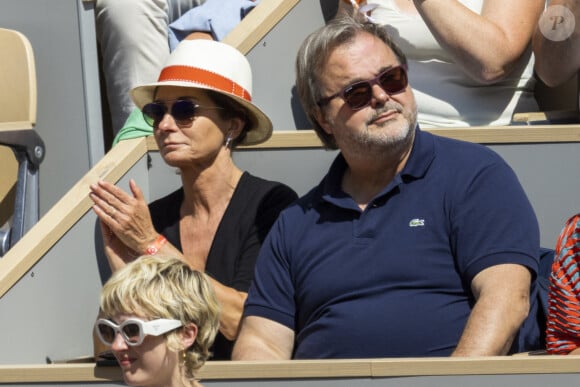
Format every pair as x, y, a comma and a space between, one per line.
183, 111
359, 94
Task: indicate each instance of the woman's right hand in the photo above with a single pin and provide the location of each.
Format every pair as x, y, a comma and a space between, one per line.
126, 222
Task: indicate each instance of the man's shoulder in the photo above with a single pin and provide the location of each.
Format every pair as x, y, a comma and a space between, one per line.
464, 151
303, 206
310, 199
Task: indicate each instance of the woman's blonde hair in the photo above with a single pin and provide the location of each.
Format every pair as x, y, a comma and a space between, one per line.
166, 287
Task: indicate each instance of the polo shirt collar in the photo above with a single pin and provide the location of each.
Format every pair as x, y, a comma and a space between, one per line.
421, 157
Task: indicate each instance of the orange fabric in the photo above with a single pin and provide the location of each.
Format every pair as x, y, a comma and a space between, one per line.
154, 248
563, 323
197, 75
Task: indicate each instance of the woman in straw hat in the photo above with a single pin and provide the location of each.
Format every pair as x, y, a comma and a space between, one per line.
160, 319
200, 109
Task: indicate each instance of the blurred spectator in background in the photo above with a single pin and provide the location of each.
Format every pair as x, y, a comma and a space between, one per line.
470, 60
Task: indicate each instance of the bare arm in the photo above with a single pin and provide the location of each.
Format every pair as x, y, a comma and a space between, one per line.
487, 46
128, 230
263, 339
232, 306
502, 304
557, 61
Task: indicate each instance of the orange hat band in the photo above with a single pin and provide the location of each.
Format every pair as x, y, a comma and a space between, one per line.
197, 75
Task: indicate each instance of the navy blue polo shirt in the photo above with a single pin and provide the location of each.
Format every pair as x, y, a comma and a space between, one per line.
394, 280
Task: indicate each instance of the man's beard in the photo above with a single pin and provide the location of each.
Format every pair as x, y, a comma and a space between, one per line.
390, 137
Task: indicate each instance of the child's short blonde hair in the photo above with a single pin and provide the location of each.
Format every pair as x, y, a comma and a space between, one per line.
166, 287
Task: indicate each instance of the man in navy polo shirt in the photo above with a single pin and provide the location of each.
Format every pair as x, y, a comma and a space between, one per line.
412, 244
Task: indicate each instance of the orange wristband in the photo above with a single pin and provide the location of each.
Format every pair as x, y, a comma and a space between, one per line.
154, 248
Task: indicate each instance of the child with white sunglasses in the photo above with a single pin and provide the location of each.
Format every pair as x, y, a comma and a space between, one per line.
161, 319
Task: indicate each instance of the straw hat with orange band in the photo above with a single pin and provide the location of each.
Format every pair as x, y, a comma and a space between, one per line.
211, 65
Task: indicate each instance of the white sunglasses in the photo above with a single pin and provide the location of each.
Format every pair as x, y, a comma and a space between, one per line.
133, 330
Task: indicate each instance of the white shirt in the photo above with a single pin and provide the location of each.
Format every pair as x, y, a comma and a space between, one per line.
445, 95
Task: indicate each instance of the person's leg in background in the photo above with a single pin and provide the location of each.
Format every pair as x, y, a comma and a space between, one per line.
134, 46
